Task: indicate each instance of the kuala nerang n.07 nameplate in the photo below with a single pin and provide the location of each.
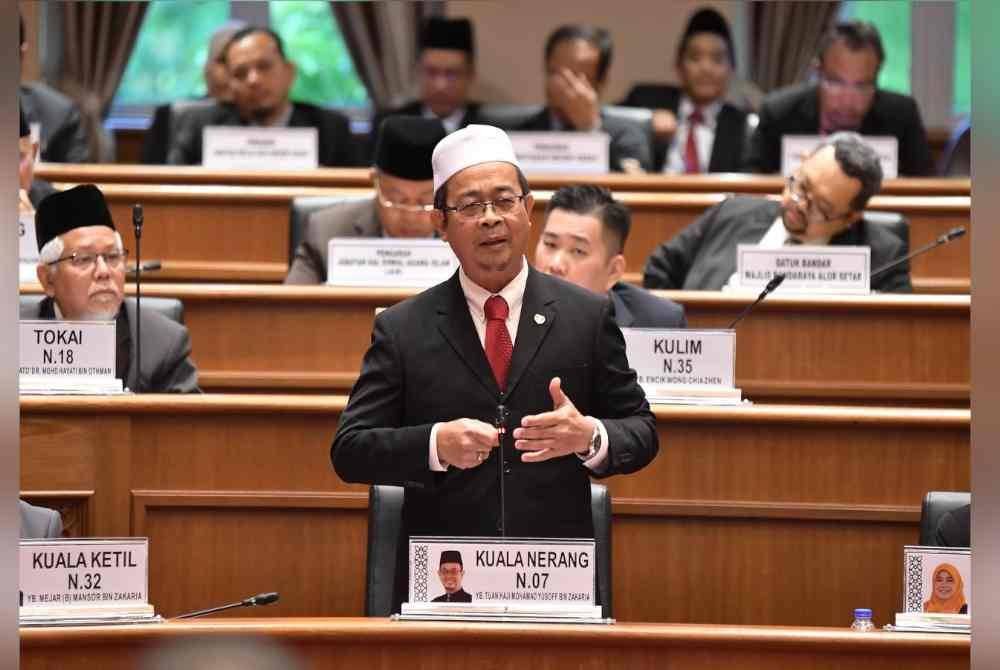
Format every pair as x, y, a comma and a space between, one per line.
502, 576
376, 262
807, 269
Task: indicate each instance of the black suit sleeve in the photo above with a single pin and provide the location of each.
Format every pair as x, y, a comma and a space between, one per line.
667, 267
176, 373
764, 151
372, 445
69, 142
627, 141
154, 146
621, 403
914, 151
339, 149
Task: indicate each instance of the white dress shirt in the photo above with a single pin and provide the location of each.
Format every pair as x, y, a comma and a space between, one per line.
704, 136
451, 122
776, 236
476, 297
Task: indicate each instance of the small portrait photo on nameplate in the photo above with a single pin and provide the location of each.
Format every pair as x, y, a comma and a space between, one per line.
937, 580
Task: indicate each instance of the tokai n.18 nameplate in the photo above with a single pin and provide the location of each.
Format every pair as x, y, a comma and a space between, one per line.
502, 576
68, 357
389, 262
684, 365
807, 269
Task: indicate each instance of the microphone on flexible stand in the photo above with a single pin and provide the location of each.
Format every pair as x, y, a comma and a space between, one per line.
771, 285
258, 600
137, 223
952, 234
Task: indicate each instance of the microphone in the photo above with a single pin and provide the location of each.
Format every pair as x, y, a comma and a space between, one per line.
137, 224
771, 285
148, 266
952, 234
501, 425
258, 600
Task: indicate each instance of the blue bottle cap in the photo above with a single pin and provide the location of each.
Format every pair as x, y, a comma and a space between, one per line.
862, 613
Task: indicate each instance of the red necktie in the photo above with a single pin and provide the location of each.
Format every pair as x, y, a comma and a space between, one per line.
691, 164
498, 344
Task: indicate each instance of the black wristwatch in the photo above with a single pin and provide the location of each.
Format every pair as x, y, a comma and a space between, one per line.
593, 447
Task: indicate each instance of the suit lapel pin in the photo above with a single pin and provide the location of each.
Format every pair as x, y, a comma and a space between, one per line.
539, 319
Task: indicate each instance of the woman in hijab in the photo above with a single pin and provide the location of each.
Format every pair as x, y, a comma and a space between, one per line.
946, 591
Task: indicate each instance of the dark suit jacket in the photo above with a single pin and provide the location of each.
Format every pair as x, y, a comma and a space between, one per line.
638, 308
703, 255
39, 522
416, 108
157, 138
459, 596
63, 138
40, 189
427, 365
794, 110
627, 139
352, 218
166, 348
336, 144
730, 127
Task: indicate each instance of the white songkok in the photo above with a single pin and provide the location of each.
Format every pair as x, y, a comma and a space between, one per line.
470, 146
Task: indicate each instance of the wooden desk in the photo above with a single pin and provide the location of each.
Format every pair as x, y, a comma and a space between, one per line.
241, 233
749, 515
872, 349
302, 644
360, 178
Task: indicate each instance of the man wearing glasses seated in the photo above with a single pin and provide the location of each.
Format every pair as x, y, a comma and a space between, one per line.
82, 271
402, 205
844, 98
822, 203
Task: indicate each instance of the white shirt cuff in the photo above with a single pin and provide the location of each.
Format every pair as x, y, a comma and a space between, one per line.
596, 464
432, 456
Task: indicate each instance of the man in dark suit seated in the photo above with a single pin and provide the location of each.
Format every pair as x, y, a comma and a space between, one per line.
261, 78
583, 241
844, 98
446, 69
577, 59
822, 203
501, 372
33, 190
401, 207
705, 62
82, 270
39, 522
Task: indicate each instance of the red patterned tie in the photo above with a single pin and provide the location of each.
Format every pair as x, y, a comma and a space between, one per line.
498, 345
691, 164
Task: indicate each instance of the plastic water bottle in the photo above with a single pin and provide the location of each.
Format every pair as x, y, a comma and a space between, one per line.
862, 620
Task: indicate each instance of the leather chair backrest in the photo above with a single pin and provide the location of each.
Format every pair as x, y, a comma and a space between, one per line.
302, 208
896, 222
936, 504
385, 536
172, 308
957, 158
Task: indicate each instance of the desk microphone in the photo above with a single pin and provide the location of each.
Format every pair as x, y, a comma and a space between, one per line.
137, 223
253, 601
771, 285
952, 234
148, 266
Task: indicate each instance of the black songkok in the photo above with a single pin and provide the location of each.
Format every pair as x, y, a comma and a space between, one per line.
710, 21
455, 34
451, 556
64, 211
405, 145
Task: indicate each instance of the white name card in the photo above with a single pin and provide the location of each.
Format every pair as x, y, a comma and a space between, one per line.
570, 152
842, 270
255, 148
62, 348
557, 573
57, 574
794, 148
27, 247
389, 262
669, 357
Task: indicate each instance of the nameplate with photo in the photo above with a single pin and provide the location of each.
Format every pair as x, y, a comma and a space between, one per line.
807, 269
563, 152
381, 262
256, 148
84, 577
502, 575
795, 148
68, 357
683, 365
27, 247
937, 580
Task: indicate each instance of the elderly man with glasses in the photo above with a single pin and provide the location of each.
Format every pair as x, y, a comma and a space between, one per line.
82, 271
495, 395
401, 207
844, 97
822, 203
